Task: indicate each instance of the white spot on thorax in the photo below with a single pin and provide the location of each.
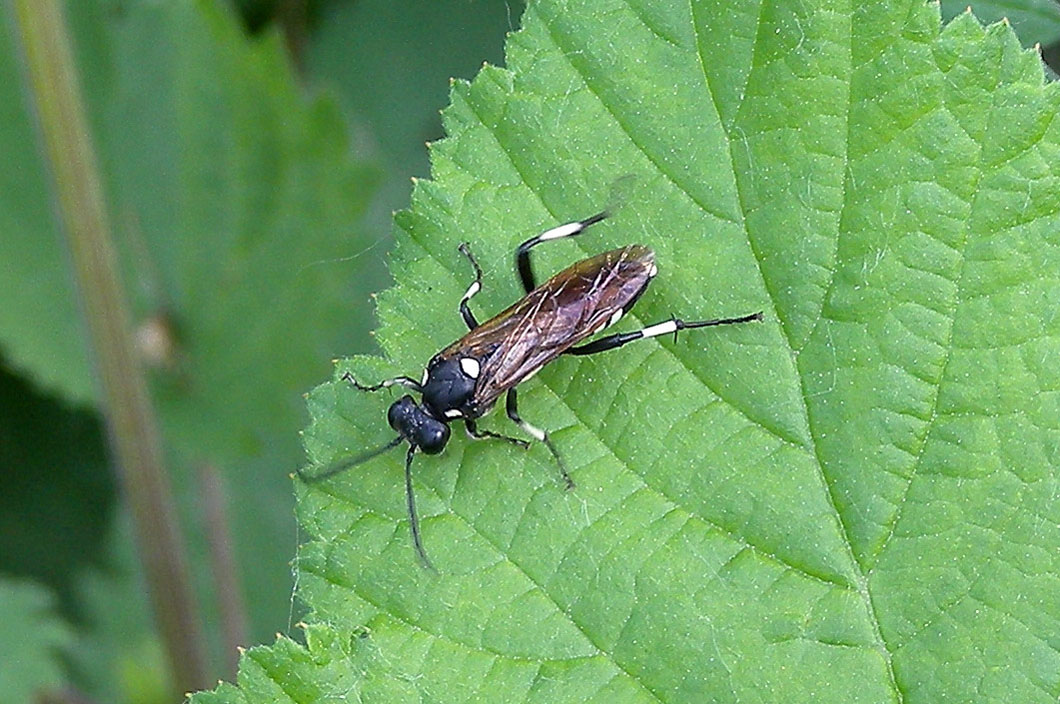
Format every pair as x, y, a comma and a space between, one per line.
653, 271
471, 367
426, 375
453, 413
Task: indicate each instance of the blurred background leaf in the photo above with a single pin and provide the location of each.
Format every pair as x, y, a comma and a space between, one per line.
58, 495
234, 200
1035, 21
417, 46
33, 640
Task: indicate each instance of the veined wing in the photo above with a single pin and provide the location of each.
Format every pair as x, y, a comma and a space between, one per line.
577, 302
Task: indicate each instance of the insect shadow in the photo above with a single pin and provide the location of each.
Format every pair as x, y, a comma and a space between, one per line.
466, 379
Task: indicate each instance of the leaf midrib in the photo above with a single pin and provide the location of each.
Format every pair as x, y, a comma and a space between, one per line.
447, 266
860, 576
958, 289
559, 401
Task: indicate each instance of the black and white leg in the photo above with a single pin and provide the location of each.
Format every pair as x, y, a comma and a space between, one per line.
522, 254
475, 287
478, 434
385, 384
511, 406
665, 328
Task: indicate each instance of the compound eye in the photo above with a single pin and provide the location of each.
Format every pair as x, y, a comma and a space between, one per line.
432, 436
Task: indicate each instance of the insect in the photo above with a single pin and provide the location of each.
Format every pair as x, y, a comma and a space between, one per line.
466, 379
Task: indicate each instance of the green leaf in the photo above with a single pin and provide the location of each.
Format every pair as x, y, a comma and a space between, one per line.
855, 501
119, 656
32, 642
1035, 21
417, 45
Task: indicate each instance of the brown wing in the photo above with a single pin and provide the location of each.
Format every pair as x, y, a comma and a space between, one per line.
574, 304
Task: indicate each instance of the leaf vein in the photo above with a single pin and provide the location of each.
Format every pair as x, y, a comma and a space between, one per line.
725, 531
625, 130
862, 582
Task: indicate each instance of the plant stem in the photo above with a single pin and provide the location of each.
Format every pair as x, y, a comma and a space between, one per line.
131, 426
230, 604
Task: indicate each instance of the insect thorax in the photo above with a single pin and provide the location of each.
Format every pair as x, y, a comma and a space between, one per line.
449, 387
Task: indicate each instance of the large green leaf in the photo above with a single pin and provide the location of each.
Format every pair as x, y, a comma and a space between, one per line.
855, 501
32, 642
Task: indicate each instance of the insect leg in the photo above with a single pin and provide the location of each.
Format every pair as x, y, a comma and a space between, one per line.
537, 433
665, 328
474, 431
475, 287
522, 254
410, 500
402, 380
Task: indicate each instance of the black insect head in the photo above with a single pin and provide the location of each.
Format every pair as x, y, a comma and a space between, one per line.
418, 427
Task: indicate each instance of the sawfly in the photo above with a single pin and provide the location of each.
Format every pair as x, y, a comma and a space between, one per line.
465, 380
